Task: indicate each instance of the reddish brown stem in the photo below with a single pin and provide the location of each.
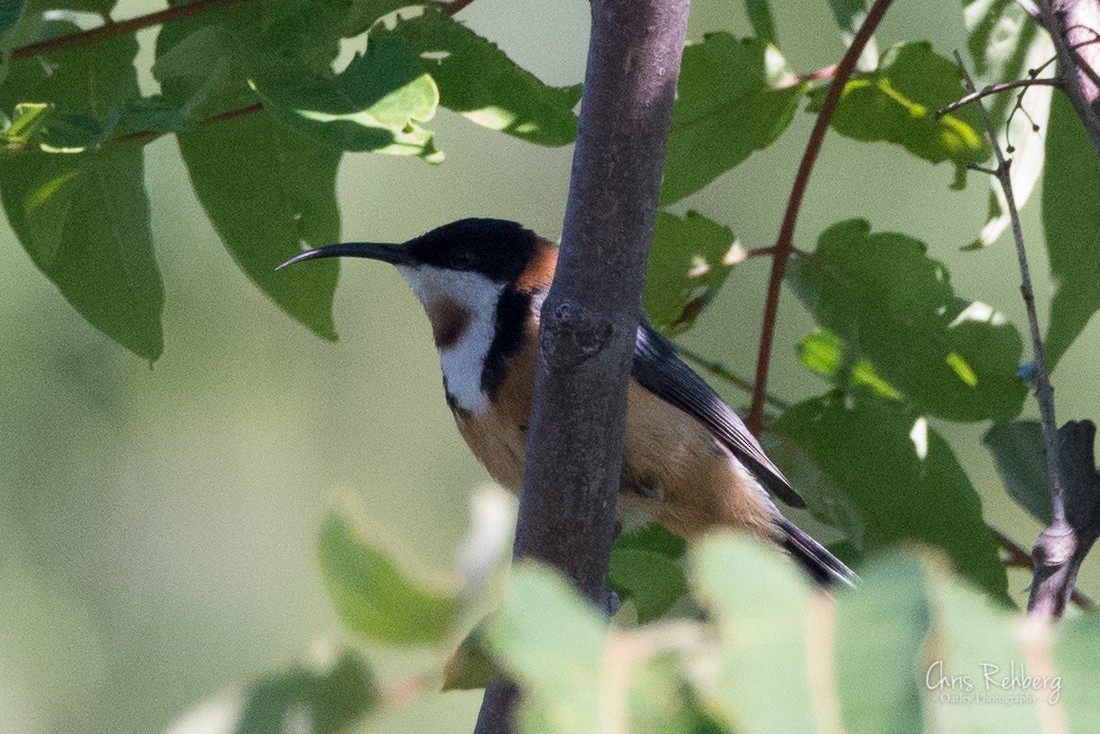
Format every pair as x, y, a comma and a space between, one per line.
110, 30
784, 244
454, 6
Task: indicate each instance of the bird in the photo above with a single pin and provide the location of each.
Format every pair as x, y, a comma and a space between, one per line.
689, 461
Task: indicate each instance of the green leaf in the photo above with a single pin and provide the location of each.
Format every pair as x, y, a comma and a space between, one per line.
893, 305
327, 696
880, 694
653, 581
471, 665
375, 104
825, 499
734, 97
360, 15
305, 699
84, 218
974, 637
1020, 455
26, 122
758, 602
1076, 650
690, 260
654, 538
897, 104
902, 477
553, 644
1071, 224
850, 15
1005, 44
268, 190
477, 80
822, 352
763, 24
373, 595
10, 13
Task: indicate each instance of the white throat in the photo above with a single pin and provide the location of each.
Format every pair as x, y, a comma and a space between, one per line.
464, 361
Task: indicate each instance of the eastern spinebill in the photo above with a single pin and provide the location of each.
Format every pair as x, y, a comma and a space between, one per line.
689, 461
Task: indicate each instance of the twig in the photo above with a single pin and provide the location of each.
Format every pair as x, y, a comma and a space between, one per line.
995, 89
784, 245
1018, 557
110, 30
149, 135
720, 370
1044, 392
1063, 545
453, 7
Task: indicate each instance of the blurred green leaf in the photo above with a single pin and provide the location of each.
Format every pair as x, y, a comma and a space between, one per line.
99, 7
653, 581
1020, 456
471, 665
758, 602
1005, 43
973, 636
317, 701
654, 538
10, 13
373, 595
26, 121
375, 104
1071, 224
903, 478
893, 305
1075, 653
880, 694
267, 191
321, 697
661, 702
84, 218
896, 103
734, 97
763, 24
477, 80
690, 260
821, 351
553, 644
850, 15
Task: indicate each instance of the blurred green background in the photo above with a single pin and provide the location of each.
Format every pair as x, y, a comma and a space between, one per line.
157, 525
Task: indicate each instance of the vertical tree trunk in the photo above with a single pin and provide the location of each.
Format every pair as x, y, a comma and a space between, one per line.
589, 319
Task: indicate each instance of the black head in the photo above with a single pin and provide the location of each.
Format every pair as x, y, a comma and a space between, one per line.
496, 248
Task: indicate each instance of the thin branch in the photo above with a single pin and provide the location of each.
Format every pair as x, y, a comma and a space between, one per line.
720, 370
150, 135
995, 89
1044, 392
784, 245
110, 30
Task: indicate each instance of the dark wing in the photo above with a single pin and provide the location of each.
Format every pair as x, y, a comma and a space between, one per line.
660, 370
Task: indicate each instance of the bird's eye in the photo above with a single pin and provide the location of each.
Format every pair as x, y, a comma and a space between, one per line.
461, 259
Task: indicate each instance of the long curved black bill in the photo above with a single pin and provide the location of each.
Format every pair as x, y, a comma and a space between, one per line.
387, 253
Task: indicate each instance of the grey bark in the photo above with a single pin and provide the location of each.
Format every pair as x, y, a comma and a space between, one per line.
1074, 26
1063, 546
576, 434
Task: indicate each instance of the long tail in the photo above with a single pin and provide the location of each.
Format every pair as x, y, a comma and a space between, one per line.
823, 566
